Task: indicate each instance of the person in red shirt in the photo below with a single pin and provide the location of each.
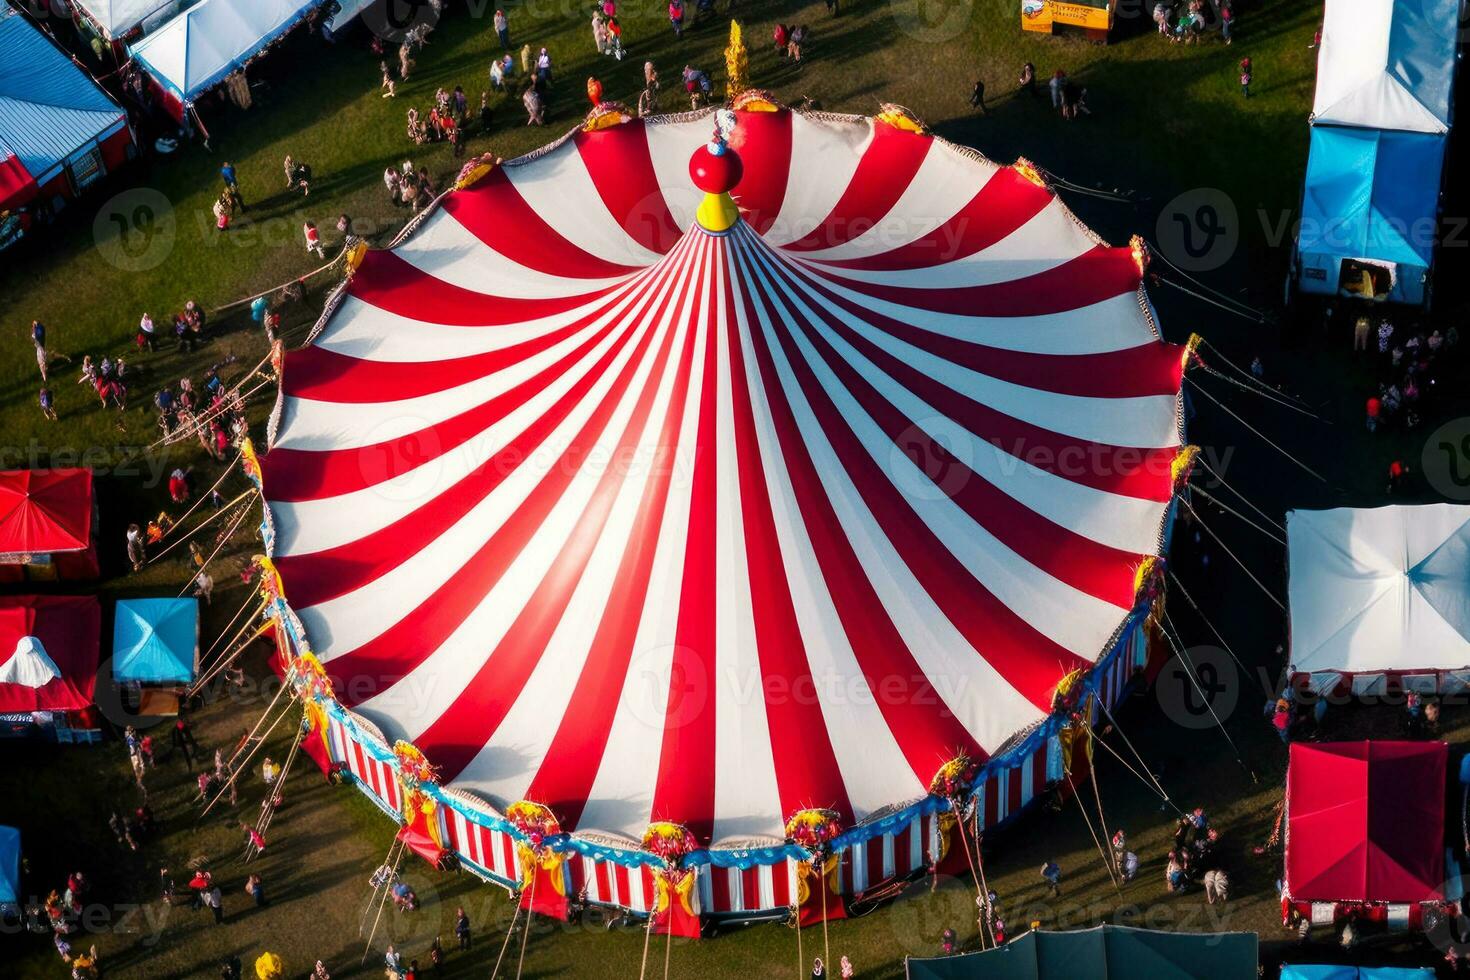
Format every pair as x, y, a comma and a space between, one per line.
1375, 409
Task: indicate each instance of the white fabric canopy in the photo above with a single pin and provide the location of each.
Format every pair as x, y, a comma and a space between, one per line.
196, 50
1383, 589
118, 17
30, 666
1387, 64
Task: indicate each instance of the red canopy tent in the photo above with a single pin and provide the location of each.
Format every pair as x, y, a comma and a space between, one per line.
17, 186
48, 631
1365, 830
46, 522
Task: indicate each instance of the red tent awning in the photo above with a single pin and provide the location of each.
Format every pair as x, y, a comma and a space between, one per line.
43, 511
17, 186
69, 630
1366, 821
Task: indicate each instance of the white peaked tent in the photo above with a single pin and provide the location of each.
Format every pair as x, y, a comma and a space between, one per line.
118, 18
1387, 64
1378, 593
199, 48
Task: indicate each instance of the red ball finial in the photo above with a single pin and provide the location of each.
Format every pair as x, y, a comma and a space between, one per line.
715, 173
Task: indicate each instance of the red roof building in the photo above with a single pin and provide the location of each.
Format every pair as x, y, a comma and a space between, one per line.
1365, 829
49, 649
46, 525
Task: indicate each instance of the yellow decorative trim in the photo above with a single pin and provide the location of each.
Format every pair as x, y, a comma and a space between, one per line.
1191, 351
1138, 248
1029, 170
901, 117
717, 212
355, 253
1145, 573
805, 870
737, 62
475, 171
1183, 463
606, 115
755, 100
682, 882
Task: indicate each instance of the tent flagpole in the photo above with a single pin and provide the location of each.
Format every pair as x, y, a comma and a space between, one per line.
530, 911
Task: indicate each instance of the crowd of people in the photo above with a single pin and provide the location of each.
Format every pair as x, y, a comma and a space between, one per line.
1188, 21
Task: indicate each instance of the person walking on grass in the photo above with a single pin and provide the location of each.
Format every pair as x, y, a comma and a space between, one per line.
389, 87
462, 928
977, 96
47, 408
232, 182
1227, 21
1245, 77
313, 240
502, 30
1052, 875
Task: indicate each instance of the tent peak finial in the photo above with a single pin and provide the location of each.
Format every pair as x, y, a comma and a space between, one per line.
716, 169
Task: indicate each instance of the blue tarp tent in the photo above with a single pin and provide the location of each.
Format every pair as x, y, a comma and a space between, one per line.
1313, 972
156, 641
1370, 209
54, 119
9, 866
1102, 953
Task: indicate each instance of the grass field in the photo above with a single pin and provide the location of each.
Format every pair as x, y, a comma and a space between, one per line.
1168, 121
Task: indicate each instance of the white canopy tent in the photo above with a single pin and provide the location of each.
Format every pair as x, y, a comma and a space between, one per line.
1380, 592
1387, 64
119, 18
198, 49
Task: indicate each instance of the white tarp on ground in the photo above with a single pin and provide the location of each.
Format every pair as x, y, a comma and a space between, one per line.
197, 49
1379, 590
1387, 64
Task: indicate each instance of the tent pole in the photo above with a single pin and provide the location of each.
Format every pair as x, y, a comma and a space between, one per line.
531, 911
236, 770
980, 924
647, 935
387, 890
285, 686
224, 662
195, 506
1088, 820
202, 524
514, 915
229, 532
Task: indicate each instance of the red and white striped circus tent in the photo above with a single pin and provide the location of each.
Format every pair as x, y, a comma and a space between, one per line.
608, 496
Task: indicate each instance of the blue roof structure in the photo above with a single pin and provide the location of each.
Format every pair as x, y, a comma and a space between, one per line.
9, 866
49, 108
156, 641
1370, 194
1314, 972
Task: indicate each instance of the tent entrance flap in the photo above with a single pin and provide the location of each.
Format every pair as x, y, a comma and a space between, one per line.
1367, 279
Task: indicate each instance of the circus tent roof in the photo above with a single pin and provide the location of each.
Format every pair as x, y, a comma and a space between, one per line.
606, 510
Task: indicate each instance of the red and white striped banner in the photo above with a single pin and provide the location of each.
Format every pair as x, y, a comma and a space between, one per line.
376, 776
610, 883
484, 847
759, 889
